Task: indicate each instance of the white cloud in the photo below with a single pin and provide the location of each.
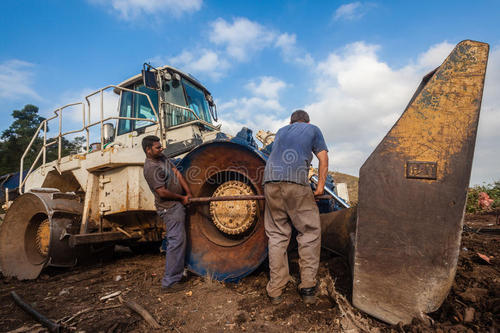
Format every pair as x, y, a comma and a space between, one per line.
262, 121
258, 111
241, 38
286, 42
487, 154
17, 80
359, 97
231, 43
350, 11
434, 56
204, 62
267, 86
132, 9
291, 53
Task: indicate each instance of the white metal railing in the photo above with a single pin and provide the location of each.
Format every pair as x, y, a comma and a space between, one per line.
178, 115
85, 127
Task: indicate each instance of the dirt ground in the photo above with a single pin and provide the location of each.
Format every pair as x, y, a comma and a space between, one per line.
72, 297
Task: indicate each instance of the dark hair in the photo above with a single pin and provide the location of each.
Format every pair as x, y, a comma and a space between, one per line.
299, 115
147, 141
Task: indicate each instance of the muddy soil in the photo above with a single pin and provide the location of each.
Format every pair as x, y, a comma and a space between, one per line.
73, 297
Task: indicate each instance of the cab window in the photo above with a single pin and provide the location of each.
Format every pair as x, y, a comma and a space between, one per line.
196, 101
174, 93
137, 106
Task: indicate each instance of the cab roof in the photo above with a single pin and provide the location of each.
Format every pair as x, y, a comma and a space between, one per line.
171, 69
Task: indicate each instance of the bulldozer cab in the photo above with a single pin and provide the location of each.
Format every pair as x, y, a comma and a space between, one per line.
182, 101
185, 108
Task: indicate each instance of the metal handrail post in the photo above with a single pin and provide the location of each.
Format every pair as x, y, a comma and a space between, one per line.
102, 117
21, 184
21, 168
44, 142
59, 147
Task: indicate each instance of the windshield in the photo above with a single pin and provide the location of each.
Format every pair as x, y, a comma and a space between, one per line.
196, 101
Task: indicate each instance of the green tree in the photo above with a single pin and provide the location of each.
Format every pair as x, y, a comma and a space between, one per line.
15, 139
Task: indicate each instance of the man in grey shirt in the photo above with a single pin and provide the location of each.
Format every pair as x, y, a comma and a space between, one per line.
168, 186
289, 197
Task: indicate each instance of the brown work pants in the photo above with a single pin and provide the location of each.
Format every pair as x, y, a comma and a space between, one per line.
287, 202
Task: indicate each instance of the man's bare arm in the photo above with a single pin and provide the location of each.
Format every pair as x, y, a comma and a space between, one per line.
322, 171
166, 194
183, 182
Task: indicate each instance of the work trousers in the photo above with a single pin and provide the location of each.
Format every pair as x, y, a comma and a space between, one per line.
290, 204
174, 219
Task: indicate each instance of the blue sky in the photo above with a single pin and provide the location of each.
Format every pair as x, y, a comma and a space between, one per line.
352, 65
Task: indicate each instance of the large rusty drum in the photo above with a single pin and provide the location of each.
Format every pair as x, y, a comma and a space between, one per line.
226, 239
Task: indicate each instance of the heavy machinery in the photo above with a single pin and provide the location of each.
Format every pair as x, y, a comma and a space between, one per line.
403, 238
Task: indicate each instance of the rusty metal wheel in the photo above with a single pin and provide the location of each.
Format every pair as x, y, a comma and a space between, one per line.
32, 234
226, 240
233, 217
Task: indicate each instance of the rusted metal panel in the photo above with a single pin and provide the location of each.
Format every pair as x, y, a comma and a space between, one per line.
412, 193
336, 230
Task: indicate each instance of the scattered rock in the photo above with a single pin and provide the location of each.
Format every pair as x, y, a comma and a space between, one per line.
473, 294
469, 315
64, 291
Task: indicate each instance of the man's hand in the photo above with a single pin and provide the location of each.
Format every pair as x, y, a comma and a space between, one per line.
319, 191
185, 200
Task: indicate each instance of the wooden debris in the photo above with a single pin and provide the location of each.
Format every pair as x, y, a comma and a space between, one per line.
31, 329
484, 257
143, 313
66, 321
69, 319
108, 296
350, 322
112, 328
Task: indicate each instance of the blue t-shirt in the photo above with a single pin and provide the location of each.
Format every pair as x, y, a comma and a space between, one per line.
292, 153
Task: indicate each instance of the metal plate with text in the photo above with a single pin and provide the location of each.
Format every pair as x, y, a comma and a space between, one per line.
421, 170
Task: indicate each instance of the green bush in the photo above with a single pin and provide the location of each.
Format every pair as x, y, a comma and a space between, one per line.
493, 190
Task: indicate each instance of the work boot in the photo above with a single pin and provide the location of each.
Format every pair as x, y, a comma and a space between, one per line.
276, 300
308, 295
173, 288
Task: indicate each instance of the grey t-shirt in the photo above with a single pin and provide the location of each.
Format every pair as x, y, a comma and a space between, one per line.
159, 173
292, 151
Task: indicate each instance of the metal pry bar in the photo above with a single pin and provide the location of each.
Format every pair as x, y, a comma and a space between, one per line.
242, 197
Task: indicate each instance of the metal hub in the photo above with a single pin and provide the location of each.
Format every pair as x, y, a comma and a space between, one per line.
233, 217
43, 237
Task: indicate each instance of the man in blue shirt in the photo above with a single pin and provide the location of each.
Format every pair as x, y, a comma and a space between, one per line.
289, 198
